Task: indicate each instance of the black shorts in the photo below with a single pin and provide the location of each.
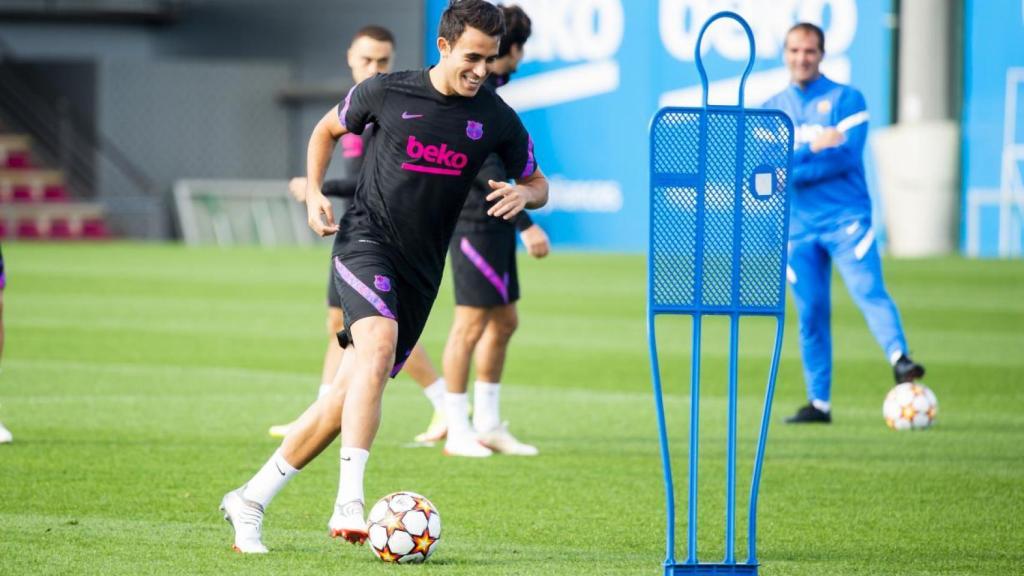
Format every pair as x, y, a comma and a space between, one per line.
368, 285
333, 297
484, 268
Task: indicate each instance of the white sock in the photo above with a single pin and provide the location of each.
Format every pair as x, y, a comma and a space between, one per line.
895, 356
457, 410
486, 416
324, 389
350, 481
435, 393
822, 405
269, 480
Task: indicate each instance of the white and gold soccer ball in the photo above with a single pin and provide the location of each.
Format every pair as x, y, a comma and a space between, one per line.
404, 527
910, 406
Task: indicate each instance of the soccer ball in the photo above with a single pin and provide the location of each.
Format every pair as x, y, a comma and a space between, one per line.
404, 527
910, 406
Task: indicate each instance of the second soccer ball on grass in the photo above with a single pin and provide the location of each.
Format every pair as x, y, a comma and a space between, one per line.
910, 406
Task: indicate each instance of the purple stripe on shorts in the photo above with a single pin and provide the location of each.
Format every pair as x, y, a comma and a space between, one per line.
344, 108
363, 289
486, 269
531, 162
400, 363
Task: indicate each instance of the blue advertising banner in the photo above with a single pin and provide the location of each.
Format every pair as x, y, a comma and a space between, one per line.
993, 129
597, 70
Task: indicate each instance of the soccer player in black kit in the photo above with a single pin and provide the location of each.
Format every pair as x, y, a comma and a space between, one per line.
483, 258
371, 52
434, 129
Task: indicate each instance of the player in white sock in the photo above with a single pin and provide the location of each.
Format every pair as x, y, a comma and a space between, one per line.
386, 257
243, 507
438, 427
483, 259
347, 520
462, 440
371, 52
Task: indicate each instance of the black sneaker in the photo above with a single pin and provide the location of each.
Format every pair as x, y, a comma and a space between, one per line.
906, 370
810, 415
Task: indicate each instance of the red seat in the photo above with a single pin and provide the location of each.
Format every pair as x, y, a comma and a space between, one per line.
60, 229
22, 193
18, 159
3, 229
55, 193
95, 229
28, 229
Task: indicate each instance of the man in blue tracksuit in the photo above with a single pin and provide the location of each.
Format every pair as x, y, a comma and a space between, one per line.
831, 220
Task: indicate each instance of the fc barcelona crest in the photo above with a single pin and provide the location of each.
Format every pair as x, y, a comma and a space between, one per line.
474, 130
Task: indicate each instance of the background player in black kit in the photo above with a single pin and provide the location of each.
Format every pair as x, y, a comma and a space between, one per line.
483, 258
371, 52
434, 129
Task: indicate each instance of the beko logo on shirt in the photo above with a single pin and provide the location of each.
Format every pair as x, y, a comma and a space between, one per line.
447, 162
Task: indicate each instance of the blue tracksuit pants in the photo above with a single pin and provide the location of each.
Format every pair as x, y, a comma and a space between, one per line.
852, 248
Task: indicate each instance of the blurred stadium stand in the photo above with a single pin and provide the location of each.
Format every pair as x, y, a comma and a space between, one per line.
106, 104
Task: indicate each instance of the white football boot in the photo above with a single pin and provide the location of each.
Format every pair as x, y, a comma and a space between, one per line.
349, 522
280, 430
465, 445
502, 441
436, 430
246, 517
5, 435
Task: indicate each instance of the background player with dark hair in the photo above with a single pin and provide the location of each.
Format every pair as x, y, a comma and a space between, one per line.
371, 52
434, 130
831, 220
483, 257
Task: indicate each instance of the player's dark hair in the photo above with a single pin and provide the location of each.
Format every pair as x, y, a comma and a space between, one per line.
378, 33
518, 28
462, 14
809, 28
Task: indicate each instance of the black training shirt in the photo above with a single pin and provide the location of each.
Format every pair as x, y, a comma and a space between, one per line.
353, 150
474, 217
418, 168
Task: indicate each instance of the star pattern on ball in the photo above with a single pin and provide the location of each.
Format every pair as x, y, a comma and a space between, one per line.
424, 505
422, 542
387, 556
393, 522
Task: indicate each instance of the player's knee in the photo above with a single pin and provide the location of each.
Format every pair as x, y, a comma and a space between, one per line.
467, 331
505, 326
377, 350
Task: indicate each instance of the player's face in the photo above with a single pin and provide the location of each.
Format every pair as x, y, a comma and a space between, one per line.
368, 57
803, 57
467, 63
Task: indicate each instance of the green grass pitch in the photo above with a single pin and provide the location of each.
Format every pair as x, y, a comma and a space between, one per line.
139, 381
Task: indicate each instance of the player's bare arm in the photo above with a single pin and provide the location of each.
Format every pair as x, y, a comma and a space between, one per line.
536, 241
529, 192
318, 156
297, 187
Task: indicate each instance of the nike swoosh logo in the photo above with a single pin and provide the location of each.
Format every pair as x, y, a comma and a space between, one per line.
278, 466
407, 116
346, 458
